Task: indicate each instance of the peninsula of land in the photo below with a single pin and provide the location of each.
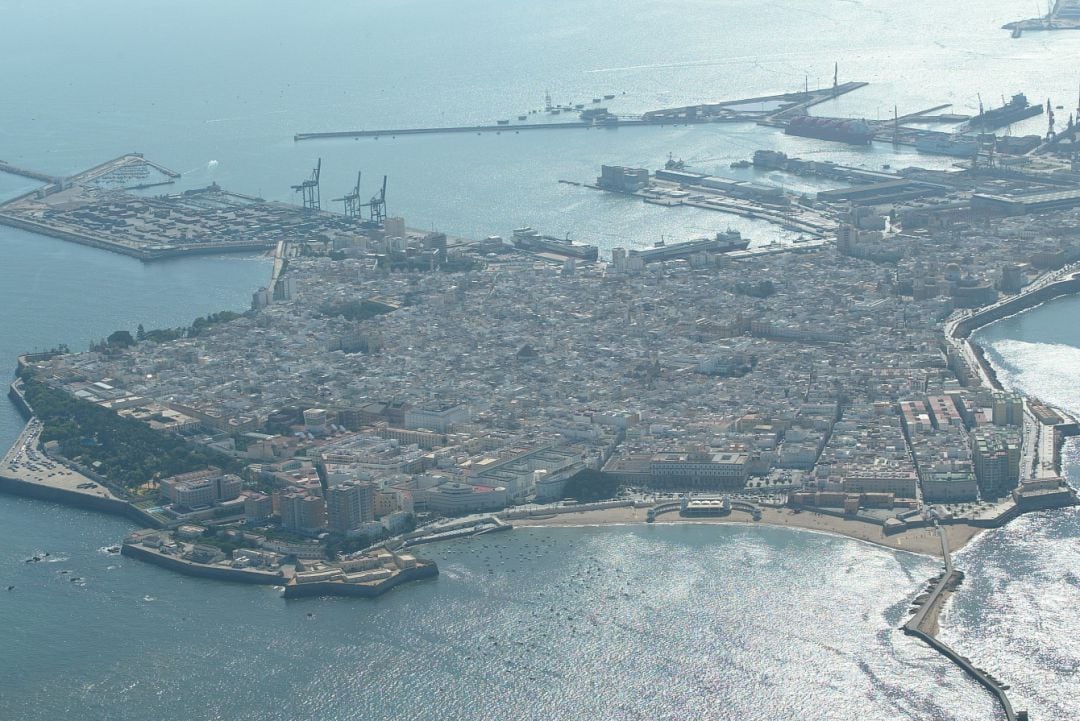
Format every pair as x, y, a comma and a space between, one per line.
383, 380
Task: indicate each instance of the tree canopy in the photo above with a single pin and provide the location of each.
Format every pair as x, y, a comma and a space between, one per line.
126, 451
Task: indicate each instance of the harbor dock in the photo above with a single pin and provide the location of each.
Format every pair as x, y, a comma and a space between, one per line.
756, 109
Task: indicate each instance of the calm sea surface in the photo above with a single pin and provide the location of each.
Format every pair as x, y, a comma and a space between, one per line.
621, 623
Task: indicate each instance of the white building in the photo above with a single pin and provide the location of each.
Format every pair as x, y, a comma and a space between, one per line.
453, 499
699, 470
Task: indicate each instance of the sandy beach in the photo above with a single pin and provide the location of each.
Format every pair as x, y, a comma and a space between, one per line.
920, 540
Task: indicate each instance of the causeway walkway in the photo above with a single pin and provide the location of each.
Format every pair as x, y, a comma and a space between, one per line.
917, 626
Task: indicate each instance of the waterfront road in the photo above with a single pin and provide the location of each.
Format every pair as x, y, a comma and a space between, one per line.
24, 462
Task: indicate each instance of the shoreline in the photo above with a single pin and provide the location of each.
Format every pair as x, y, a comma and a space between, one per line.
923, 541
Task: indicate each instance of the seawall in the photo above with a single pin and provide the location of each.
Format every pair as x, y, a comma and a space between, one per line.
189, 568
20, 402
142, 254
1024, 301
336, 588
87, 501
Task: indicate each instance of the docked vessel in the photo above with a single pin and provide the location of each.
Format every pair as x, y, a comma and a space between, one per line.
954, 145
723, 242
853, 132
1013, 111
529, 239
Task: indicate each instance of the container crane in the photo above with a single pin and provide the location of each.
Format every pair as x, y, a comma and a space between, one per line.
310, 189
352, 200
377, 205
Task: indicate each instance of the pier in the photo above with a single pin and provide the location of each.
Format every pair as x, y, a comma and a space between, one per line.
673, 188
727, 111
570, 125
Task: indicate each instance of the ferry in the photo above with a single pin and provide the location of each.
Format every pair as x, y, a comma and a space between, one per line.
954, 145
852, 132
1018, 108
723, 242
528, 239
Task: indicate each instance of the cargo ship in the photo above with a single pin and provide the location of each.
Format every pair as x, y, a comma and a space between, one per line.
1013, 111
724, 242
852, 132
954, 145
531, 240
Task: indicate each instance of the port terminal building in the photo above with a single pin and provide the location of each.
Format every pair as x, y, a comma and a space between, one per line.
1022, 204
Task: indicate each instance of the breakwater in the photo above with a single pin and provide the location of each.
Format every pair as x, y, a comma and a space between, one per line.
422, 570
6, 167
571, 125
729, 111
924, 621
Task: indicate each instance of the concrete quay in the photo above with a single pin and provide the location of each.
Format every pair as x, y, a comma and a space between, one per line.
728, 111
478, 129
794, 217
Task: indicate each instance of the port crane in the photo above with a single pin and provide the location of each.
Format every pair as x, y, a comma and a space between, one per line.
310, 189
377, 205
352, 199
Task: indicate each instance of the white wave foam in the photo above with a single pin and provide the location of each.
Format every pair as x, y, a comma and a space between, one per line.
1045, 370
